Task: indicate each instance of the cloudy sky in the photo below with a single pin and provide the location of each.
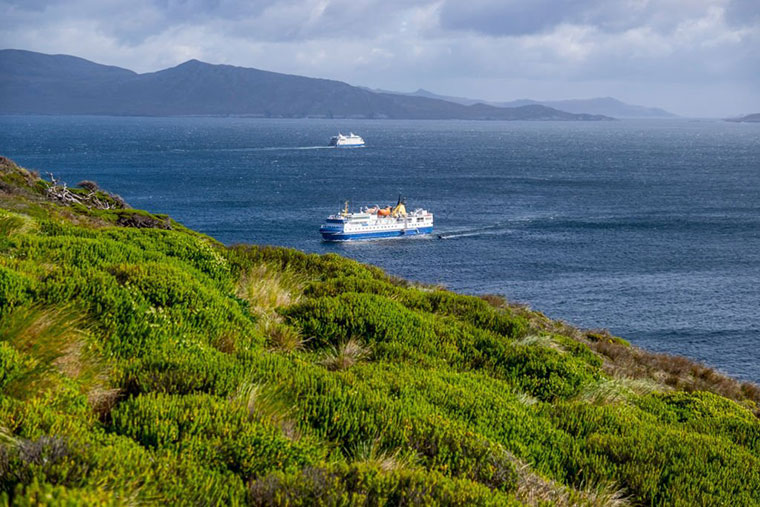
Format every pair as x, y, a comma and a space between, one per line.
693, 57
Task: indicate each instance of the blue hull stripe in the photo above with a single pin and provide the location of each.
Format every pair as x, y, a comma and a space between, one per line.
341, 236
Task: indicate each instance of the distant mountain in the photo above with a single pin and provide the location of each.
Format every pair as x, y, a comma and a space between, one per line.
34, 83
604, 105
600, 105
750, 118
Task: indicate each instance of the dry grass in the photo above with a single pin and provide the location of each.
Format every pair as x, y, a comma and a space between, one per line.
617, 390
226, 342
269, 405
345, 356
15, 223
371, 453
55, 343
627, 363
539, 340
526, 399
52, 342
672, 372
532, 489
281, 337
267, 289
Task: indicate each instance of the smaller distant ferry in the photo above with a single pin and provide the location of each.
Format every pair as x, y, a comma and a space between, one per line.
349, 141
376, 222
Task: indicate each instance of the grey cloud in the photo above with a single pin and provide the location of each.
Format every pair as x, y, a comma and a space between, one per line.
518, 18
743, 12
134, 21
508, 17
131, 22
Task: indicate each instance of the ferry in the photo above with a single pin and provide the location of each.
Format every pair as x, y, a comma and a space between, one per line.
376, 222
349, 141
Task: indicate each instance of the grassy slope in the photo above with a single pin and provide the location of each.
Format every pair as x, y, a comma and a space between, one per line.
156, 365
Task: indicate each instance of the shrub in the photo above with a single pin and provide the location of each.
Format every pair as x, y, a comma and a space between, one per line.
15, 289
212, 429
369, 485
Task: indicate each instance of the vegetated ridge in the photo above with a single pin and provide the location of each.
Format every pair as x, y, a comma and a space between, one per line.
35, 83
750, 118
142, 362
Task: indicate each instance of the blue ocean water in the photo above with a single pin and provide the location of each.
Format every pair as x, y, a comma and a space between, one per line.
648, 228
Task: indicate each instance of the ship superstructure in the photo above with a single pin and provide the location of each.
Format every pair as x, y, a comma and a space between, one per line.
349, 141
376, 222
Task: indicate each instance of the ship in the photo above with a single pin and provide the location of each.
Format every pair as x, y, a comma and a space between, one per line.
375, 222
349, 141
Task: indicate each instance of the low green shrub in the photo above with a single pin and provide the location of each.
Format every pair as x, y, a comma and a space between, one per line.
339, 485
397, 333
15, 289
11, 364
214, 430
182, 371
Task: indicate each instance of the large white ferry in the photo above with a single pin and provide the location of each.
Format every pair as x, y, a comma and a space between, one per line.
349, 141
375, 222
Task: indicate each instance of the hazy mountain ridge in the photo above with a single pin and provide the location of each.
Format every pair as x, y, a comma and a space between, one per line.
607, 106
749, 118
33, 83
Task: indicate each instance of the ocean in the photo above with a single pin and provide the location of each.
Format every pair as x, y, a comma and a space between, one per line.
649, 228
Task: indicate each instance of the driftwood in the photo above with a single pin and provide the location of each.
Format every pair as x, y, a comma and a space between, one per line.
58, 191
144, 222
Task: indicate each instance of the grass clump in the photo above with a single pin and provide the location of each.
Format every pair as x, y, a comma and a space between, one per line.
345, 356
267, 289
282, 337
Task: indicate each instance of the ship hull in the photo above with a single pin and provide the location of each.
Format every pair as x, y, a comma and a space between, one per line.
358, 236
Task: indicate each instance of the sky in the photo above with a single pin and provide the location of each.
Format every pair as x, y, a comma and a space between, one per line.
696, 58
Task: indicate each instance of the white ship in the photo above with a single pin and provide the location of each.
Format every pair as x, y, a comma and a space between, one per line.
375, 222
349, 141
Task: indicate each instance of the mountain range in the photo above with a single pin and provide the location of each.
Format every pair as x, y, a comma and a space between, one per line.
36, 83
608, 106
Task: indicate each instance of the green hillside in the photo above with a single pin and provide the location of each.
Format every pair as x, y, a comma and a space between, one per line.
142, 362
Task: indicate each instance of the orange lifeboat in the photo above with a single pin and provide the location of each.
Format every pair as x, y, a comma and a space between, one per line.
384, 212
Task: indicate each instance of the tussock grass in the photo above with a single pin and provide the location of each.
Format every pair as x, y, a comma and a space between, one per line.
226, 342
54, 342
50, 340
267, 288
14, 223
371, 453
539, 340
606, 391
618, 390
533, 489
345, 355
526, 399
269, 405
281, 337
